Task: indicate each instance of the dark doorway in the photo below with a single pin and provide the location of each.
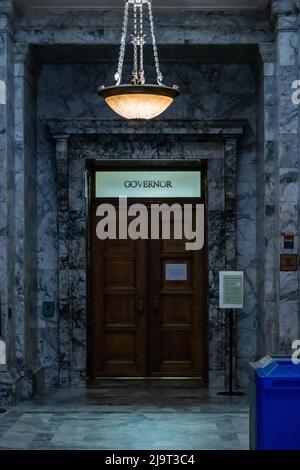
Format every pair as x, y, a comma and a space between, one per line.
146, 322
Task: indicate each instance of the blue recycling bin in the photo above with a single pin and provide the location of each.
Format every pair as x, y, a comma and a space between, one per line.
275, 404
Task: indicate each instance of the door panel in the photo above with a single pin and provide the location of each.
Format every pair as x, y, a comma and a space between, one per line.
144, 324
118, 327
177, 312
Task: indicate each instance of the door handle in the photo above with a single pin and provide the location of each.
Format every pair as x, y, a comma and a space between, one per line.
155, 302
141, 305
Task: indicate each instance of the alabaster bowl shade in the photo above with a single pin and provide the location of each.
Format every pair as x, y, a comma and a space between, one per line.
138, 102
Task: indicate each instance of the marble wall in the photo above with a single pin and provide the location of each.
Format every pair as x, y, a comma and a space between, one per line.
287, 138
267, 180
45, 79
278, 182
68, 91
7, 250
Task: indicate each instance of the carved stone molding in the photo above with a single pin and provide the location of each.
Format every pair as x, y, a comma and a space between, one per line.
6, 8
21, 52
284, 7
62, 170
23, 57
6, 16
65, 319
267, 52
71, 137
174, 127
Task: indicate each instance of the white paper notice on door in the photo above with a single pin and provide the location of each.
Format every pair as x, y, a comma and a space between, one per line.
176, 272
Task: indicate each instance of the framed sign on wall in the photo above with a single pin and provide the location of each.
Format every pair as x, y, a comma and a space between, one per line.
288, 262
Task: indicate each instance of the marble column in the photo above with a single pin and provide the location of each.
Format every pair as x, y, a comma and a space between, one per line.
21, 53
287, 136
7, 393
222, 256
65, 319
6, 147
267, 212
27, 363
230, 153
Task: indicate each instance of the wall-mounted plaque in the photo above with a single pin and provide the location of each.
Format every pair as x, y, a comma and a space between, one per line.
176, 272
231, 289
288, 262
288, 241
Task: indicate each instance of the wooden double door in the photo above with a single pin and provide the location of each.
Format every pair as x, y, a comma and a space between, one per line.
148, 308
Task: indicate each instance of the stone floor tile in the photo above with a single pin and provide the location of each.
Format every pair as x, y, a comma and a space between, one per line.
128, 416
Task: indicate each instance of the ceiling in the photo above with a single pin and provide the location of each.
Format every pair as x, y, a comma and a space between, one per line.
108, 4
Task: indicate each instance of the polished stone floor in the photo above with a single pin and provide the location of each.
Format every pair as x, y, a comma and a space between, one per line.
128, 415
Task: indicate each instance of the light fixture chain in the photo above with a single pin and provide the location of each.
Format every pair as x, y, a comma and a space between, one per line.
141, 72
155, 51
118, 75
135, 45
138, 100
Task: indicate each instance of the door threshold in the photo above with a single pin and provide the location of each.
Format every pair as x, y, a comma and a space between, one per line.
147, 378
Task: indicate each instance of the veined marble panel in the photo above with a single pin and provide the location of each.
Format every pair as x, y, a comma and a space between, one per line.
69, 91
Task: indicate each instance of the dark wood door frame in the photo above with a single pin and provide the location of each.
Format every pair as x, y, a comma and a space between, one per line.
118, 165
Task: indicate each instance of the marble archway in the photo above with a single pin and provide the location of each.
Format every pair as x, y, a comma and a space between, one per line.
78, 140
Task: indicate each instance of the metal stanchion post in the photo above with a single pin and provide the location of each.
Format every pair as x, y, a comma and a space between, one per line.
230, 391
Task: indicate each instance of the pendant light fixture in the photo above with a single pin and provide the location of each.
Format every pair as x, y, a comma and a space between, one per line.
138, 100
